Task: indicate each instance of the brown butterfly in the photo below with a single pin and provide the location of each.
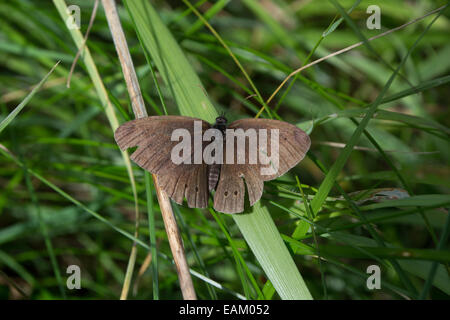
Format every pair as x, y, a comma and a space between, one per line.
221, 159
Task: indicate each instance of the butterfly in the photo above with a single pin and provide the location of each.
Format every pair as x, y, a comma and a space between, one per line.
212, 162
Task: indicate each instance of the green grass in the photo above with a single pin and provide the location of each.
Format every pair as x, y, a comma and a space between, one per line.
68, 194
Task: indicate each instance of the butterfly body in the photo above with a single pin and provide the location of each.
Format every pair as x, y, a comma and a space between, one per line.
214, 169
221, 124
193, 176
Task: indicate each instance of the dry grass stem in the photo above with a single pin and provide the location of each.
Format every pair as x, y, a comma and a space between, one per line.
173, 233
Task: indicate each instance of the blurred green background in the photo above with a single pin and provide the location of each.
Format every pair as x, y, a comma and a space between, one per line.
399, 185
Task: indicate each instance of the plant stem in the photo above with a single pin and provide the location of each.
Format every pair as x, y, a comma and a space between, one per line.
137, 102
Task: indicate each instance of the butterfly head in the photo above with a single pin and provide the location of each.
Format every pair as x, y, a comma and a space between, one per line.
221, 120
221, 123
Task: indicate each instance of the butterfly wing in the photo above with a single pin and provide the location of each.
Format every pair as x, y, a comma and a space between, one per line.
293, 143
153, 135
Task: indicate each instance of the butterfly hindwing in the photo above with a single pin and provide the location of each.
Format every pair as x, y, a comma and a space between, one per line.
293, 144
152, 136
230, 192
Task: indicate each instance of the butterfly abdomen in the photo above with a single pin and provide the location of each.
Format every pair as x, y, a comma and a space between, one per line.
214, 169
213, 176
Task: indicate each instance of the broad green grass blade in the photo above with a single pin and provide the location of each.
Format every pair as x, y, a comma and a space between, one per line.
152, 232
339, 21
45, 234
275, 27
238, 258
432, 273
257, 227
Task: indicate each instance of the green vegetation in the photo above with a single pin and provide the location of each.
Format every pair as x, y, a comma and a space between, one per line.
373, 189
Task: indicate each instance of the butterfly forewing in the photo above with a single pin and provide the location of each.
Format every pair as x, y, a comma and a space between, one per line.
152, 136
293, 144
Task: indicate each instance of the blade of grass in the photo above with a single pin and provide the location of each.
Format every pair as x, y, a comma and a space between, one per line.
211, 12
219, 38
374, 233
45, 234
316, 243
404, 278
372, 140
440, 9
238, 257
441, 245
185, 229
110, 114
257, 8
257, 226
